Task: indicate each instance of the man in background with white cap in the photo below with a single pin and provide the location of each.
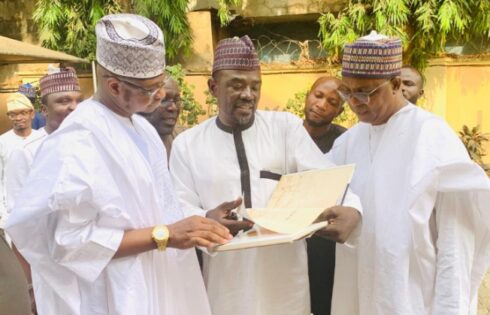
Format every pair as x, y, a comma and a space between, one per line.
99, 228
21, 112
424, 243
244, 151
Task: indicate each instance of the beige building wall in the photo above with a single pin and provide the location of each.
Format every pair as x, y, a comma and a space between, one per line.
459, 91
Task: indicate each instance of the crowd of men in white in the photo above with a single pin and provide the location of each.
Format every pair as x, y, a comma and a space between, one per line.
104, 208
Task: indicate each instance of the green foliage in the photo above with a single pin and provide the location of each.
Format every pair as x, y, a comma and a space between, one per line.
296, 106
224, 15
191, 110
69, 25
171, 16
473, 140
212, 103
424, 26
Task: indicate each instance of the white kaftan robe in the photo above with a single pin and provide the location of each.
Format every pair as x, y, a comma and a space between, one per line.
9, 142
424, 242
211, 164
18, 167
96, 176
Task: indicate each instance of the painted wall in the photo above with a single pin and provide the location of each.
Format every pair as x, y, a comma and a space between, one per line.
459, 91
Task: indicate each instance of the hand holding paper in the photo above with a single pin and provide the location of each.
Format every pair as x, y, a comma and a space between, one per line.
223, 214
341, 222
297, 202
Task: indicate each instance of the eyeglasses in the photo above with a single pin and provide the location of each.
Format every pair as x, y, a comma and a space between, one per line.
361, 97
146, 92
167, 103
24, 113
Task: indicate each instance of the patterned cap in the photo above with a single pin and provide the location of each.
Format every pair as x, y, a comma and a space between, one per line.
28, 90
18, 101
374, 56
64, 80
130, 45
235, 54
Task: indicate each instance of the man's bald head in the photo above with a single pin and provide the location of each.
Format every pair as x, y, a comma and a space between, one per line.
323, 103
412, 84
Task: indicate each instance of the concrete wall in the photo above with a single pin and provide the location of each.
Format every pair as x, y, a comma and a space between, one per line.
267, 8
275, 8
459, 91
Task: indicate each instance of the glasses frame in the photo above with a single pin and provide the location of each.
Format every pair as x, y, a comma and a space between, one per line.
360, 96
146, 92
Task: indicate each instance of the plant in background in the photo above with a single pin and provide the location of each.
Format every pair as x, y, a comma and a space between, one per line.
224, 14
424, 26
171, 16
212, 103
191, 110
69, 25
296, 105
473, 139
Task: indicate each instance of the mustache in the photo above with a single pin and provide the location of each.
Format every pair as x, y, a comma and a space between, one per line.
245, 104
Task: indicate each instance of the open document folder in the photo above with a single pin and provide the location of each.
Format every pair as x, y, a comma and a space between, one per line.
296, 202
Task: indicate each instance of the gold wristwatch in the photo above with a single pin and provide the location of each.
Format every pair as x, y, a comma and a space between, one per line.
160, 236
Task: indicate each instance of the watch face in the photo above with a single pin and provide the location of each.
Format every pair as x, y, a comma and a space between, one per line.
160, 234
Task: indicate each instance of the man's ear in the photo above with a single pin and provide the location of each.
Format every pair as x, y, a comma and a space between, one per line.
396, 83
113, 86
212, 86
421, 93
44, 110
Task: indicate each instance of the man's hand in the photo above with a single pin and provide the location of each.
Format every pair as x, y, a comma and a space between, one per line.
223, 215
197, 231
341, 222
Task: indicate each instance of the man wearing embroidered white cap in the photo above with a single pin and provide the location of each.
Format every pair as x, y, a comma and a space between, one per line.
425, 239
21, 112
98, 218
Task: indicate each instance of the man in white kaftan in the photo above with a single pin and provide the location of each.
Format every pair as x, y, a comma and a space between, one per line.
21, 112
219, 160
60, 95
424, 243
99, 189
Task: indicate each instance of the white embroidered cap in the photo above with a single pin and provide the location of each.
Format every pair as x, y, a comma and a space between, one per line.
130, 45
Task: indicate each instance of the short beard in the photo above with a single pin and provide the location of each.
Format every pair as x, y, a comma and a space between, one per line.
317, 124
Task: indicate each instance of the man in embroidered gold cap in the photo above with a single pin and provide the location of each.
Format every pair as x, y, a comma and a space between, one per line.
243, 152
424, 243
98, 219
21, 112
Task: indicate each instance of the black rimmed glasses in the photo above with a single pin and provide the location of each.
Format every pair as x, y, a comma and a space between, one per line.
361, 97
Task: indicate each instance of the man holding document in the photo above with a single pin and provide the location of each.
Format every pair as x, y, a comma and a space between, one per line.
424, 244
245, 152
